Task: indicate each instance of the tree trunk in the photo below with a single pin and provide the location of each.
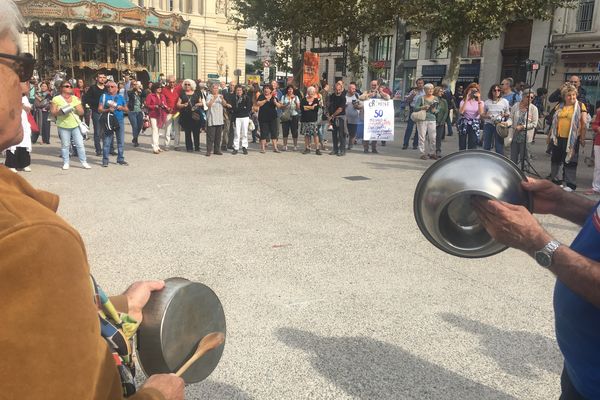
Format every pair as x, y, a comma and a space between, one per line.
297, 61
454, 67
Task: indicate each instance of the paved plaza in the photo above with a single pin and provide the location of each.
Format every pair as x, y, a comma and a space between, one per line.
329, 289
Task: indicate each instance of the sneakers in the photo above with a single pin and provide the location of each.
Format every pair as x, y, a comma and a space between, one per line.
567, 189
85, 165
318, 152
27, 169
124, 163
404, 146
234, 152
295, 148
13, 170
245, 150
65, 166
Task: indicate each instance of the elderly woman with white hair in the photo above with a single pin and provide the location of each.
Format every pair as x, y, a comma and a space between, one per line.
427, 127
309, 119
190, 105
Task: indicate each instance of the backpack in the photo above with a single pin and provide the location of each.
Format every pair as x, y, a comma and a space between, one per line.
109, 122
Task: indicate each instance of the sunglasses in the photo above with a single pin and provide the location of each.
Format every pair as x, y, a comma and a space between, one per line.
497, 90
67, 86
23, 65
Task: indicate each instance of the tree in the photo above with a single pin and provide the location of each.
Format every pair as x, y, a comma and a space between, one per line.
288, 22
455, 21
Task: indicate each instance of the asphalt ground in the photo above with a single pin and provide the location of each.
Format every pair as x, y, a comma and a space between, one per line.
330, 290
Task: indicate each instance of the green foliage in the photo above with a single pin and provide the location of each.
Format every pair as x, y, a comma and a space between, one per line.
288, 21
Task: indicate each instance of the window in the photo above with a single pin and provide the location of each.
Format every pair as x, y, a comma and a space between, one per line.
187, 60
585, 12
339, 65
472, 49
381, 48
434, 52
412, 43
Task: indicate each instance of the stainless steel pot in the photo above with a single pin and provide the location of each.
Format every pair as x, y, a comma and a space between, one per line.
175, 319
442, 201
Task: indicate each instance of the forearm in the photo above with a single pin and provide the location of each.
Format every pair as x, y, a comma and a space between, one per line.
578, 273
574, 208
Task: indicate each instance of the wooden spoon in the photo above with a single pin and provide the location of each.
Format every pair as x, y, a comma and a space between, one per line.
208, 343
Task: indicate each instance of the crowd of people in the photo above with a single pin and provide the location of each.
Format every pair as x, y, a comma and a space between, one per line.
229, 115
509, 114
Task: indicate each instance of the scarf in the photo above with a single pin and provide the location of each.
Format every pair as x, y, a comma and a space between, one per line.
573, 130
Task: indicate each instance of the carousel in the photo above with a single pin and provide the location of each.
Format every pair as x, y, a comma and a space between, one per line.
79, 38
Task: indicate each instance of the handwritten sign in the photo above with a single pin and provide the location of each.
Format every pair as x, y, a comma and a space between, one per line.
379, 119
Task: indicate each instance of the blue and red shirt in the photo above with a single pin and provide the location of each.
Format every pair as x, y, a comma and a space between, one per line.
578, 321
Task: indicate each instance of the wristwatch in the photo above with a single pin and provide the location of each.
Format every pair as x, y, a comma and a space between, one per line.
544, 256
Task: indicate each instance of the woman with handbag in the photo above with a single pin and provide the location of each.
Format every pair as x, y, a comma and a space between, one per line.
67, 109
471, 108
567, 134
290, 117
156, 103
43, 98
190, 105
523, 131
441, 119
496, 111
427, 127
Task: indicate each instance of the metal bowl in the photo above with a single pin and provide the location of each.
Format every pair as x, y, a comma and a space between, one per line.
442, 202
175, 319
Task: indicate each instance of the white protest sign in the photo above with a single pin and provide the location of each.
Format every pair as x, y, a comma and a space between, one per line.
379, 119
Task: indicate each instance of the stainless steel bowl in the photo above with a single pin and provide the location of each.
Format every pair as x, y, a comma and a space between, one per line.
175, 319
442, 202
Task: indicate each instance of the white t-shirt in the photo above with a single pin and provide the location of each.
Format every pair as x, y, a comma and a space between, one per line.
353, 116
493, 109
26, 142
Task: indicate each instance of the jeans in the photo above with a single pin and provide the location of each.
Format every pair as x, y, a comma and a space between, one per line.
409, 128
469, 140
559, 153
108, 142
136, 119
490, 135
449, 124
68, 135
98, 131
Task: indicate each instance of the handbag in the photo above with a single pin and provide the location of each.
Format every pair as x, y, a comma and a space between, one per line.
286, 115
83, 128
419, 116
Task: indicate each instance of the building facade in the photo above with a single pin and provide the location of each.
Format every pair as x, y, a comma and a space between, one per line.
211, 47
574, 47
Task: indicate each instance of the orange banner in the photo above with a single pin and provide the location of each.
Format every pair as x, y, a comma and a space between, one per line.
311, 69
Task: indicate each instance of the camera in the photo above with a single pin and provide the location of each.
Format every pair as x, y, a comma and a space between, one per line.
67, 109
531, 65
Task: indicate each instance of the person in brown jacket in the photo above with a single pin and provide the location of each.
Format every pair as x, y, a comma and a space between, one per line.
50, 340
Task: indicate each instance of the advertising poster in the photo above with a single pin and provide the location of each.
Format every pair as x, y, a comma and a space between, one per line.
311, 69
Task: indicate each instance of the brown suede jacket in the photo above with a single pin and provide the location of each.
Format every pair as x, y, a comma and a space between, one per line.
50, 343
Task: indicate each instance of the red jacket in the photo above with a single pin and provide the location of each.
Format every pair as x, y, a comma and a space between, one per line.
172, 96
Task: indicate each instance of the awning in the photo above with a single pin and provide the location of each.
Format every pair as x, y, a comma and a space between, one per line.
117, 14
592, 56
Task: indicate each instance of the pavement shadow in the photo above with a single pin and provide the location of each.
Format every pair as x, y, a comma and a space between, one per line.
215, 390
518, 353
408, 165
370, 369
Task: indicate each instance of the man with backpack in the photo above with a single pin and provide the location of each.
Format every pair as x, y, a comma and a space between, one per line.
112, 106
508, 92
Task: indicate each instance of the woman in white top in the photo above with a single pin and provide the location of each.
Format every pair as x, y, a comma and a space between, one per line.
497, 110
523, 131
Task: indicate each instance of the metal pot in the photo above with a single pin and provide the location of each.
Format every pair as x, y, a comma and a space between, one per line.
442, 202
175, 319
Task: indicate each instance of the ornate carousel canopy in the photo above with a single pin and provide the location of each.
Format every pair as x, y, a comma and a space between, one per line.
80, 36
118, 14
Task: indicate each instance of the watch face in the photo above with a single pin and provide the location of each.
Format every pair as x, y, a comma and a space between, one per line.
543, 259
